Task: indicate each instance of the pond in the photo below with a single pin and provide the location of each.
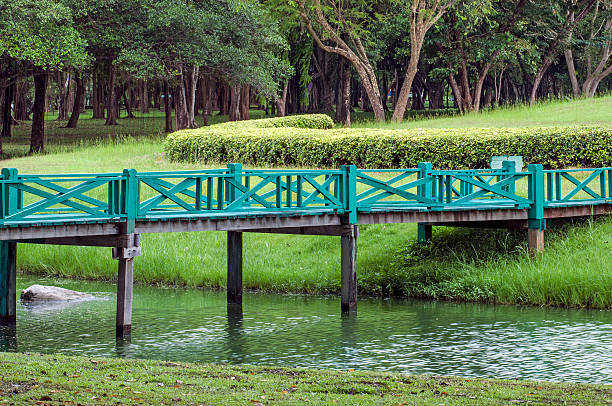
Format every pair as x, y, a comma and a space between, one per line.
408, 336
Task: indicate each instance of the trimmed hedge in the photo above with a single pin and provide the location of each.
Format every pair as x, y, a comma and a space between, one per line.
554, 147
314, 121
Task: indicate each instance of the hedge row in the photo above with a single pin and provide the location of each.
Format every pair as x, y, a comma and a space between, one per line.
376, 148
314, 121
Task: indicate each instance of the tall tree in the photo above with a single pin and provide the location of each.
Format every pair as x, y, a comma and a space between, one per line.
564, 20
42, 34
342, 25
423, 15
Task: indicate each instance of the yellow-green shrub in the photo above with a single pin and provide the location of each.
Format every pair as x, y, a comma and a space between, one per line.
315, 121
553, 147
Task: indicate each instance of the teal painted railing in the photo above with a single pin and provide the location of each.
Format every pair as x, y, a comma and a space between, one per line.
130, 196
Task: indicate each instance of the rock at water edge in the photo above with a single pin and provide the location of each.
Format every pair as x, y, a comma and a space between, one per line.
39, 293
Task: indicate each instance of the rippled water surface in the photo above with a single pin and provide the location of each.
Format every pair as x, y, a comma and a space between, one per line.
413, 337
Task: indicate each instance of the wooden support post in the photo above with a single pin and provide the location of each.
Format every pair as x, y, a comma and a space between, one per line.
125, 285
234, 267
536, 241
348, 277
8, 285
424, 233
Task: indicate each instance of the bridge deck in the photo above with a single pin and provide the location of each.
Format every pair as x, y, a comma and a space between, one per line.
112, 209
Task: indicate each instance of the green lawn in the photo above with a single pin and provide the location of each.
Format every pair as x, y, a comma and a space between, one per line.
55, 380
588, 112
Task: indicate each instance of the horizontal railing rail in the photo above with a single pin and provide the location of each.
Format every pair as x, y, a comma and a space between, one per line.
130, 196
578, 186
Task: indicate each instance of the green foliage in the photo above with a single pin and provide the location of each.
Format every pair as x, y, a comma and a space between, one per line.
554, 147
315, 121
237, 42
41, 33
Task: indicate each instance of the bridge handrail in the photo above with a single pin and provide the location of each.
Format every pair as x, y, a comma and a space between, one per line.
130, 195
566, 186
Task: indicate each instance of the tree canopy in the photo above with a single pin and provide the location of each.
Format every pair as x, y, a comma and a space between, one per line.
295, 56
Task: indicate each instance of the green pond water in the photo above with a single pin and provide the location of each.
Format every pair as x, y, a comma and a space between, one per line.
415, 337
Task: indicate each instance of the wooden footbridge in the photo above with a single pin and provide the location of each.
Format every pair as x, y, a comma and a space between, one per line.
113, 209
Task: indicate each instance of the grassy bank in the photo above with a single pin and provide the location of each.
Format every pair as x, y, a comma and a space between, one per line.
589, 112
460, 264
47, 380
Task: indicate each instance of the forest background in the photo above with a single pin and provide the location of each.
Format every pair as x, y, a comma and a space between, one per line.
389, 57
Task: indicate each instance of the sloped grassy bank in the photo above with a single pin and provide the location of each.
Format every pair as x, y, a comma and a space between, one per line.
310, 141
54, 379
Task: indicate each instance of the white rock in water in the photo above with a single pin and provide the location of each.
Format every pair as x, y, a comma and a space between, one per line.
42, 293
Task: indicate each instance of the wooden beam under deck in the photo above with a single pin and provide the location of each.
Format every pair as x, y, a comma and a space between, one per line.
58, 231
462, 216
322, 224
320, 230
577, 211
117, 241
238, 224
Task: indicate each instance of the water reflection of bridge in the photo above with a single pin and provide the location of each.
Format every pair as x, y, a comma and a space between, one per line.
113, 209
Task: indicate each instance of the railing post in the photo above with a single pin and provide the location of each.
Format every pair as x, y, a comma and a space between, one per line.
425, 190
350, 192
536, 220
12, 199
510, 167
424, 231
236, 172
130, 191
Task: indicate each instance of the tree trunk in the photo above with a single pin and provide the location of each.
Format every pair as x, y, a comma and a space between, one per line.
343, 105
538, 79
404, 94
78, 102
435, 94
209, 94
245, 102
190, 82
21, 112
126, 102
7, 118
63, 86
234, 110
456, 93
571, 70
167, 107
281, 102
144, 96
112, 113
38, 138
385, 91
181, 118
97, 98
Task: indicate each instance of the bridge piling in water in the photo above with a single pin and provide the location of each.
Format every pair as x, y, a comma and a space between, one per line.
348, 265
234, 268
125, 283
8, 284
